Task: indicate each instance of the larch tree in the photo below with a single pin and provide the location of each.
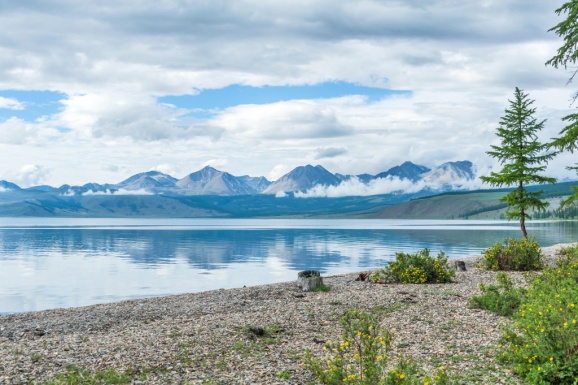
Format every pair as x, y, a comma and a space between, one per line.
566, 56
522, 157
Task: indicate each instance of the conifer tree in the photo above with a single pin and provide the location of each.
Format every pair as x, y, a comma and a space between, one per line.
567, 54
522, 157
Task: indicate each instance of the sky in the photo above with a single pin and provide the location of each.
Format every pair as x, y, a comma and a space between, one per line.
100, 91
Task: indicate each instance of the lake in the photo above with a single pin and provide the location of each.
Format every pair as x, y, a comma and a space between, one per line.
50, 263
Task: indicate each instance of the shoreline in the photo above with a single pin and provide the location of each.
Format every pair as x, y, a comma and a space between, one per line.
468, 260
203, 337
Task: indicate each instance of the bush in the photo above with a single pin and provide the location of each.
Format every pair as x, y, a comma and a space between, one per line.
362, 357
502, 299
519, 255
568, 255
543, 345
416, 268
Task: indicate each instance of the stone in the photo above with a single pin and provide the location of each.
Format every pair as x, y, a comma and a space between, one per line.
309, 279
460, 266
257, 330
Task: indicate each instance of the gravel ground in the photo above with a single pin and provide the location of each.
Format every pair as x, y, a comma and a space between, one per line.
203, 338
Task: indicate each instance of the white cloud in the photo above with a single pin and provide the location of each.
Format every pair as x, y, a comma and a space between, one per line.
11, 104
167, 168
137, 116
21, 132
297, 119
30, 175
388, 185
355, 187
460, 59
119, 192
278, 171
219, 164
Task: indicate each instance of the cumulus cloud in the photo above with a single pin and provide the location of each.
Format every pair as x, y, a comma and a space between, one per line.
18, 131
297, 119
135, 116
10, 104
114, 60
30, 175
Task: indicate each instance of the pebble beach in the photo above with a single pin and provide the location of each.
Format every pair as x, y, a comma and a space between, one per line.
205, 338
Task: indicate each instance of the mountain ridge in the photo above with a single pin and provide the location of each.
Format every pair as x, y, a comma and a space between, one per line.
210, 181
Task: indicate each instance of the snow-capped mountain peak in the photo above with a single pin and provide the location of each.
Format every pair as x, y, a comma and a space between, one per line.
303, 178
149, 180
450, 172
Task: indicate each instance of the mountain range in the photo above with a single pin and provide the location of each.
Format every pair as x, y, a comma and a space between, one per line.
210, 181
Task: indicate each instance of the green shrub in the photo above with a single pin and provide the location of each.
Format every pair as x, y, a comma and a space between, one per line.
502, 299
568, 254
361, 357
416, 268
543, 345
519, 255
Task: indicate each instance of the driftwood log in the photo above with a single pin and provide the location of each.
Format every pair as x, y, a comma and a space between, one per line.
309, 280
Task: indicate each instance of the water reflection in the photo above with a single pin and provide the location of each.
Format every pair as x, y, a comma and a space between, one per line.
61, 266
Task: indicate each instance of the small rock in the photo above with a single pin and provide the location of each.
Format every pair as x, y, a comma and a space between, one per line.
257, 330
460, 266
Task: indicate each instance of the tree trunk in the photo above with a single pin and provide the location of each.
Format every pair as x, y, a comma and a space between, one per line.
522, 213
523, 223
309, 280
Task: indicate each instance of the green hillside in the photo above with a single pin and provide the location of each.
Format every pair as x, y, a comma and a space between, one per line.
481, 204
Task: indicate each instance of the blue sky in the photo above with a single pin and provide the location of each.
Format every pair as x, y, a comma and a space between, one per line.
205, 101
98, 92
36, 104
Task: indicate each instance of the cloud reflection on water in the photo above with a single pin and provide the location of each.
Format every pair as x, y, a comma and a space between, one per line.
68, 266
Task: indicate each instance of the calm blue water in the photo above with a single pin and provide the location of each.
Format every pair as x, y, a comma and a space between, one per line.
52, 263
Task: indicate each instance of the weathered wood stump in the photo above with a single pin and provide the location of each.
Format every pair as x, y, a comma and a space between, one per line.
309, 279
460, 266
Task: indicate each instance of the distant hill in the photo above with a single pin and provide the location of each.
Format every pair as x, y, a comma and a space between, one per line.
5, 185
419, 205
43, 204
480, 204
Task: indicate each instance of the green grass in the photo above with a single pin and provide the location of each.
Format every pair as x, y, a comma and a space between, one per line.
76, 376
322, 288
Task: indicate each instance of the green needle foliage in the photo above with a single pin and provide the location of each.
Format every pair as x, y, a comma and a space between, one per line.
522, 157
567, 54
